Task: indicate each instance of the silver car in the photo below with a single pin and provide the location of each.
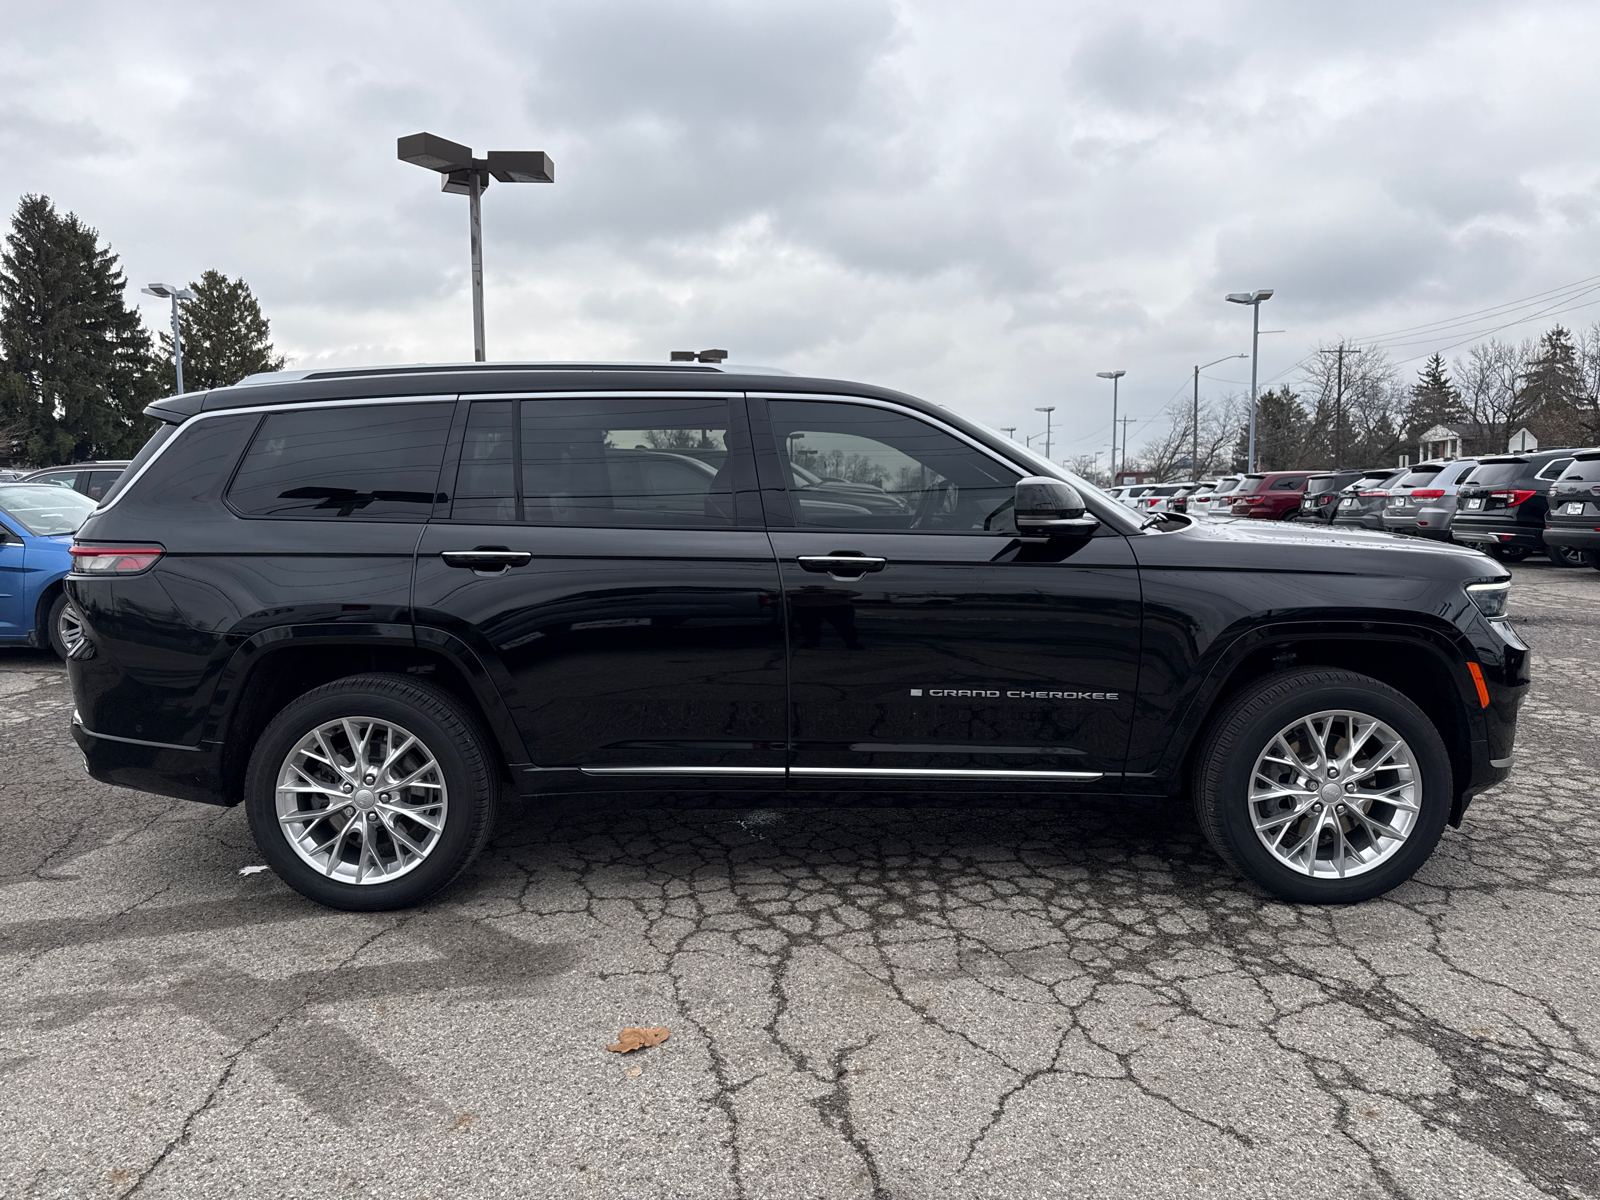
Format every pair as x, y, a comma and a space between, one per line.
1217, 502
1423, 501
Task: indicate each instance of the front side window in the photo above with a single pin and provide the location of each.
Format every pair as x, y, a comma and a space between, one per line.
602, 460
854, 466
362, 462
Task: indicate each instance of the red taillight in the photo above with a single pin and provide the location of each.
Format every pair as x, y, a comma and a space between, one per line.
1254, 499
113, 560
1377, 493
1514, 498
1428, 493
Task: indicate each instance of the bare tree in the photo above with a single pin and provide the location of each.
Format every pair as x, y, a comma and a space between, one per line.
1087, 466
1168, 455
1369, 406
1489, 378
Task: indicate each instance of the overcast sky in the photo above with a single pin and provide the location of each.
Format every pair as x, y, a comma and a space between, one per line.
980, 203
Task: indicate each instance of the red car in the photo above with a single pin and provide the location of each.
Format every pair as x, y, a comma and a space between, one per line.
1274, 496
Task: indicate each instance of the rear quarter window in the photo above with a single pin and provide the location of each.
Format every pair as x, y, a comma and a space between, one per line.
362, 462
1582, 470
1553, 468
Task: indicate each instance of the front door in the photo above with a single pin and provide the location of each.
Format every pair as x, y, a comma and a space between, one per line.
604, 555
13, 585
929, 646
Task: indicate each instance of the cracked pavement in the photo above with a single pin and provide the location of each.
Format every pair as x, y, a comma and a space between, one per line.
872, 1002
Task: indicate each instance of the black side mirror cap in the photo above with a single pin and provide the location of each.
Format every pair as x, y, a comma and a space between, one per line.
1052, 508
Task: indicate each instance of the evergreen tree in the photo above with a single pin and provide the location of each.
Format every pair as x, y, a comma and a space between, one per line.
225, 337
1434, 399
78, 367
1281, 430
1552, 390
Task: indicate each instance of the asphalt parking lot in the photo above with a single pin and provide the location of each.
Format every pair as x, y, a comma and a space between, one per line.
899, 1003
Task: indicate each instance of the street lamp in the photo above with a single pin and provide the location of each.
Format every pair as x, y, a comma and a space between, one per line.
1253, 299
1010, 431
169, 292
468, 176
1113, 376
1046, 410
1194, 456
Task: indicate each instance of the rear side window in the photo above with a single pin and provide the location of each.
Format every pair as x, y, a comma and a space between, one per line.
157, 440
364, 462
1553, 468
604, 460
98, 483
1497, 474
1583, 470
1289, 484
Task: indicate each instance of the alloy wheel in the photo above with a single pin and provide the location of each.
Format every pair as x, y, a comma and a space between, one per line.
1335, 794
69, 627
361, 800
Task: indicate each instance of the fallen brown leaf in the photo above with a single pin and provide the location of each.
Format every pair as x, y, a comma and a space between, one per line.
633, 1038
635, 1072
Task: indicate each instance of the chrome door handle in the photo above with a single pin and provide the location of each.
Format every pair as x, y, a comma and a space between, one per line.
486, 560
842, 564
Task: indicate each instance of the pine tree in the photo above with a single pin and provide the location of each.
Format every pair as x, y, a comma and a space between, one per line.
225, 337
1552, 390
1434, 399
1281, 424
78, 367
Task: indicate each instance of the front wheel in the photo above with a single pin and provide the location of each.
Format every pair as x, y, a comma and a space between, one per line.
1565, 556
1323, 786
371, 792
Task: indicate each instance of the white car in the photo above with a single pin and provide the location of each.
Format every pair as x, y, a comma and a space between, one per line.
1215, 503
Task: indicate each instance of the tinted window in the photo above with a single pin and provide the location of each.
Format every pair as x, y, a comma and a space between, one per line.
879, 469
157, 440
97, 483
1288, 484
1583, 470
1318, 484
1497, 474
605, 460
1553, 468
1421, 477
58, 478
366, 462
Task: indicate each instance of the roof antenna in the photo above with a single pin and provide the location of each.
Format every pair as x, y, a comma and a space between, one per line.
705, 356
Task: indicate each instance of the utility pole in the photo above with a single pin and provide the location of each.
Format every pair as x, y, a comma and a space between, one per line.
1046, 410
1338, 403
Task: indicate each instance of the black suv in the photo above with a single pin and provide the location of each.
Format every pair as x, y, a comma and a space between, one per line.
367, 604
1325, 489
1573, 521
1501, 506
1362, 502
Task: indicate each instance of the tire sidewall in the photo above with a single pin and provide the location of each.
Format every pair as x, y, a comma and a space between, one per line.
52, 625
1433, 763
463, 819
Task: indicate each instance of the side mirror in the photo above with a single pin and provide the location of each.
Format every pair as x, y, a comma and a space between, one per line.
1051, 508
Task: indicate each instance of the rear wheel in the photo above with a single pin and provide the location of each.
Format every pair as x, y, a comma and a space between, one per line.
1565, 556
1323, 786
64, 626
371, 792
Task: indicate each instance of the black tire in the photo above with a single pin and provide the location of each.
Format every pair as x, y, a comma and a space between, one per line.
1565, 556
1513, 554
1241, 732
61, 610
447, 730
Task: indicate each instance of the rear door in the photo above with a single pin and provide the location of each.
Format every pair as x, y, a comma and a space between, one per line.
603, 555
956, 654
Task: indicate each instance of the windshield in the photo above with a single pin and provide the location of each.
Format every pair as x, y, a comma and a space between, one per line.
1583, 470
45, 511
1497, 474
1421, 477
1319, 483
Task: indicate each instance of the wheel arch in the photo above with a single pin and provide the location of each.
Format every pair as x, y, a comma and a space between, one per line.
1426, 666
268, 671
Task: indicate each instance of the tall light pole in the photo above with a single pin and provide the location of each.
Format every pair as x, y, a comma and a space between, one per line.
1046, 410
1113, 376
1010, 431
1194, 457
169, 291
468, 176
1253, 299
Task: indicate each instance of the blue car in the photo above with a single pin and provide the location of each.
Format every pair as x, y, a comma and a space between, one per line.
37, 522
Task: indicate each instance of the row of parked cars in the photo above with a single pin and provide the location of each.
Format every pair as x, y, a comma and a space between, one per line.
1509, 505
39, 513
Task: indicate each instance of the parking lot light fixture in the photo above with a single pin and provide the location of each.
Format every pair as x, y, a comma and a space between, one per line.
1046, 409
171, 292
464, 175
1194, 456
1113, 376
1253, 299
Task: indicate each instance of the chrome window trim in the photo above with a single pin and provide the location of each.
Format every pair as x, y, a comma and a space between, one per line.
432, 398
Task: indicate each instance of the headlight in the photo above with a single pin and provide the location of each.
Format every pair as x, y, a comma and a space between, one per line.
1490, 597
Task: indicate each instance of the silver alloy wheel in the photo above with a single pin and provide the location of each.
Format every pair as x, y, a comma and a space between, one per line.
69, 627
361, 800
1335, 794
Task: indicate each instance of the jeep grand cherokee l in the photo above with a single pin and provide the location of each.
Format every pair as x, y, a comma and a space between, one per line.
367, 604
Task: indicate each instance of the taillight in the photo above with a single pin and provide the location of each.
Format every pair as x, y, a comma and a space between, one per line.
1379, 493
113, 560
1254, 499
1514, 498
1428, 493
